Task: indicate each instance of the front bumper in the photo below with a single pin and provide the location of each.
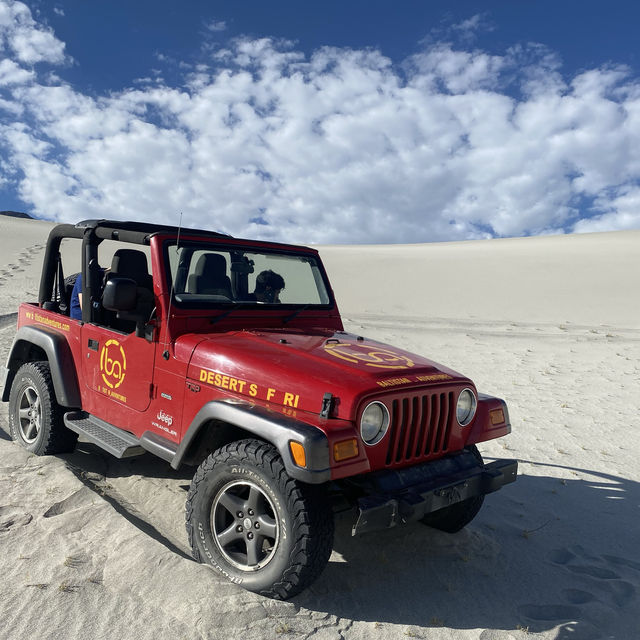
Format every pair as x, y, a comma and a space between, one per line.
406, 495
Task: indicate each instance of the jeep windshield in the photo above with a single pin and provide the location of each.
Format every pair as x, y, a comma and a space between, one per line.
205, 276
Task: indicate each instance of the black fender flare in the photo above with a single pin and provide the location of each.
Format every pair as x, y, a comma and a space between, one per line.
58, 352
271, 426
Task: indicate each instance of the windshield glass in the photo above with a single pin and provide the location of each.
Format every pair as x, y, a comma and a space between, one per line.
206, 275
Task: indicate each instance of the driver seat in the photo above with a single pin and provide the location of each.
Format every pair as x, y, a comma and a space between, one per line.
210, 276
132, 264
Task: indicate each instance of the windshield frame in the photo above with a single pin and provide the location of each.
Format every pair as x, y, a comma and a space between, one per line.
308, 255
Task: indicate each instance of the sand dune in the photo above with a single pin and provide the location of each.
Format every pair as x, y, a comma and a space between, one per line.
585, 279
94, 547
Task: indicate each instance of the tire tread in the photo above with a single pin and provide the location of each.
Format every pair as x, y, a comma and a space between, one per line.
56, 437
307, 506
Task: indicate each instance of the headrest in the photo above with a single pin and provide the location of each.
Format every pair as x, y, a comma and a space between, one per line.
211, 266
130, 263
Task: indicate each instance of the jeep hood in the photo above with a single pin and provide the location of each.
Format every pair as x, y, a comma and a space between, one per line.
295, 369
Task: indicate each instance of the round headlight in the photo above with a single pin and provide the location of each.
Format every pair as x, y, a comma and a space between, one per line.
466, 408
374, 423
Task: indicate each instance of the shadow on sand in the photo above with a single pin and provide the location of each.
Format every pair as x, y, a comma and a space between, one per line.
557, 550
551, 551
545, 552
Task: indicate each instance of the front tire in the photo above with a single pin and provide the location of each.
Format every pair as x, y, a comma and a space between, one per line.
255, 524
35, 417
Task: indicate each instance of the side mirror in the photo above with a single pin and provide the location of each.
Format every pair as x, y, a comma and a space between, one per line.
120, 294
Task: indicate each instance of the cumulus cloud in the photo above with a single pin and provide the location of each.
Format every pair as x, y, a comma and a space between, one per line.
28, 41
12, 73
338, 146
620, 210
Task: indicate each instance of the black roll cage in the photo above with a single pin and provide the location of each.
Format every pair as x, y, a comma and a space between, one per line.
92, 233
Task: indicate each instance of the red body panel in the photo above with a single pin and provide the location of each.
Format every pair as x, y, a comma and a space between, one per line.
295, 369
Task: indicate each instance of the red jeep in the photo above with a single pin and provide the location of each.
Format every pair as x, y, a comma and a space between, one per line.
230, 355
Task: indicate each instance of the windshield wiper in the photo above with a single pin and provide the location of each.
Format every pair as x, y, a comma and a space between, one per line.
225, 314
295, 314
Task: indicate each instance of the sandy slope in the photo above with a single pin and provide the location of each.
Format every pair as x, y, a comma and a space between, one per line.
93, 547
586, 279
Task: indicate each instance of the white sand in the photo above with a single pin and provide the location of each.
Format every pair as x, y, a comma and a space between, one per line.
93, 547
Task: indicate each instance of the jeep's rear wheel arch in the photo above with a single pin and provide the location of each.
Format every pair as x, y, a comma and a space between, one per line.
33, 344
241, 421
35, 418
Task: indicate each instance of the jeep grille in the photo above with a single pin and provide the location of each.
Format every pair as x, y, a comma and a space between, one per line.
420, 426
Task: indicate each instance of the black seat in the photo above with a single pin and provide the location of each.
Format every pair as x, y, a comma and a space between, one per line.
132, 264
210, 276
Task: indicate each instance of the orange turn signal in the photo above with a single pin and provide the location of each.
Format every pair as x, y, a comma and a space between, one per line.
496, 416
297, 453
345, 449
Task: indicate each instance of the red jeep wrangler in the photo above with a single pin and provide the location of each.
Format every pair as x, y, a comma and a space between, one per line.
230, 355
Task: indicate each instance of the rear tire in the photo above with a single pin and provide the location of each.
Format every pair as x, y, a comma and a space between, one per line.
255, 524
35, 417
454, 518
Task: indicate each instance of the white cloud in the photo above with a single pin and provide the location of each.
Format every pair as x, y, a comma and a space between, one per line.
12, 73
466, 30
442, 68
340, 146
29, 42
10, 106
621, 211
217, 26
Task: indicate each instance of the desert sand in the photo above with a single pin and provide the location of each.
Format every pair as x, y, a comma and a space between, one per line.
94, 547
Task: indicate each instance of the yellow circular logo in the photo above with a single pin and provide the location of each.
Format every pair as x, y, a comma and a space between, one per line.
113, 364
370, 356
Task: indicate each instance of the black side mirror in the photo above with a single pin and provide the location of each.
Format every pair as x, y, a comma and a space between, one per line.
120, 294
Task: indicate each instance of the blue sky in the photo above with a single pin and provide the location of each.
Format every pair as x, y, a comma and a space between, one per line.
324, 121
585, 33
